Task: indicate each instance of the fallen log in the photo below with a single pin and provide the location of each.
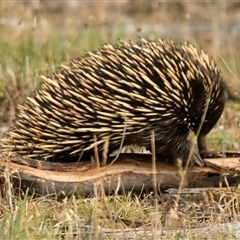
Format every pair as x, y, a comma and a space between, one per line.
131, 172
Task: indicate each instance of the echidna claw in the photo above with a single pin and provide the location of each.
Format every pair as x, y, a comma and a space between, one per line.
199, 162
196, 159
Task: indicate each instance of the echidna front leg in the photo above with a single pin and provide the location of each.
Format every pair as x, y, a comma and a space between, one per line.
195, 158
200, 151
202, 144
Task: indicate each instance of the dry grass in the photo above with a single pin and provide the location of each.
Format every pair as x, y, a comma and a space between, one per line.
34, 41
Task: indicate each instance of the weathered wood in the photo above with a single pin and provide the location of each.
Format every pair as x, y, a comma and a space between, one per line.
129, 172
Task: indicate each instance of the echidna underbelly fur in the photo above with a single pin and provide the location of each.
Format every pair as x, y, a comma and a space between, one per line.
124, 90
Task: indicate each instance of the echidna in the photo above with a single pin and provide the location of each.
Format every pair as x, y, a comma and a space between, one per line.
125, 90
